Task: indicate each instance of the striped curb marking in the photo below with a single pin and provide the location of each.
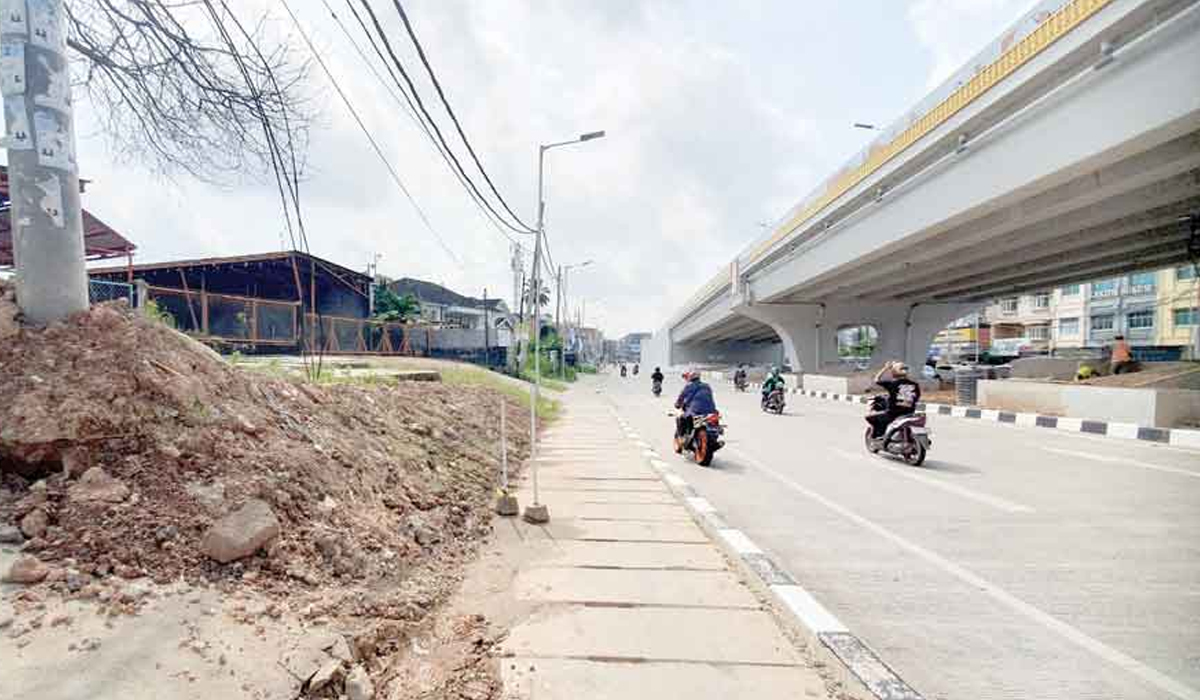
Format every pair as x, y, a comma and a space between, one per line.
878, 678
1176, 437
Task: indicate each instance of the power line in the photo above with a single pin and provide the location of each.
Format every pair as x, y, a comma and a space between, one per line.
450, 111
405, 103
412, 89
366, 132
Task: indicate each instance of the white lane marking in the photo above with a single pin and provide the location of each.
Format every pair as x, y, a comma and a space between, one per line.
659, 464
1123, 460
642, 444
908, 473
675, 481
649, 453
814, 615
700, 505
1113, 656
738, 540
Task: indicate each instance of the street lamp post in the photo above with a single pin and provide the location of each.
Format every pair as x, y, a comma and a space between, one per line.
563, 308
538, 512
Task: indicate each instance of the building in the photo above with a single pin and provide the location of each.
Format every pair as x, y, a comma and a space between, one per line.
449, 309
1150, 309
629, 347
256, 302
1179, 310
590, 344
958, 341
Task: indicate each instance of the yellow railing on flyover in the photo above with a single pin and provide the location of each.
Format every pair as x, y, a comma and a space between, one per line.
1021, 52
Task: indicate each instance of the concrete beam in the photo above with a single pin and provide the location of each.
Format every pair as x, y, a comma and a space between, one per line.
1158, 177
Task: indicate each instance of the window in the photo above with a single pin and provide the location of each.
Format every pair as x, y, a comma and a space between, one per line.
1102, 323
1009, 305
1141, 282
1185, 272
1187, 317
1070, 290
1140, 319
1107, 288
1068, 326
1037, 332
1041, 300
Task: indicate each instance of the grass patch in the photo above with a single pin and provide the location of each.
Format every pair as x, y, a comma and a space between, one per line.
548, 409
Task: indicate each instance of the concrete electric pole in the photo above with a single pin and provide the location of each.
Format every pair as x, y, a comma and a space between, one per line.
43, 178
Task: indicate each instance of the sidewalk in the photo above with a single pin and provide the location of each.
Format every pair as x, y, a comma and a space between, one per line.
627, 597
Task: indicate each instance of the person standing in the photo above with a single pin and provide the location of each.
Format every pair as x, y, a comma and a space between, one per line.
1121, 359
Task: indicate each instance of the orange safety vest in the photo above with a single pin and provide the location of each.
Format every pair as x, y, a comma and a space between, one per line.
1120, 351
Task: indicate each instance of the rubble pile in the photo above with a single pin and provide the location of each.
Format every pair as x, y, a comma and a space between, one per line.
128, 450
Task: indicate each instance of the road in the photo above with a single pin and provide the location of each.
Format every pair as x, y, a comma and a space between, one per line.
1016, 563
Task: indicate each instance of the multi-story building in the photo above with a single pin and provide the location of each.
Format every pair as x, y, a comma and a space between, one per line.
1179, 309
1152, 310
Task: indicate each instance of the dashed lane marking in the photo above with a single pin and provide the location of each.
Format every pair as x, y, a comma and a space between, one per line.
1123, 460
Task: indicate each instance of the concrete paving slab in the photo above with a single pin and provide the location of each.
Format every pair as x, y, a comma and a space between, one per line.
551, 482
625, 530
630, 511
633, 555
569, 679
667, 634
720, 589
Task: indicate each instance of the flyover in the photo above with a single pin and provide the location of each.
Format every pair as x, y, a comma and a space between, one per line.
1067, 150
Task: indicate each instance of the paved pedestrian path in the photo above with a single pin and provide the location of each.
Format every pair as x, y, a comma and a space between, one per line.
629, 597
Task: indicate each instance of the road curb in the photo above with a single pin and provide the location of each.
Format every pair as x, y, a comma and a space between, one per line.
863, 675
1176, 437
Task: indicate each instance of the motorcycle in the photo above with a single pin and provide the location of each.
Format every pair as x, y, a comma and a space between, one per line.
906, 437
704, 439
739, 382
656, 387
635, 370
622, 371
774, 402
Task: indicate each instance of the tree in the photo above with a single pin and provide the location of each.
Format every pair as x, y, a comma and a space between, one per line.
190, 86
390, 306
543, 294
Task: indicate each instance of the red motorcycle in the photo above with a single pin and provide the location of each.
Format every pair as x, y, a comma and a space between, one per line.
704, 439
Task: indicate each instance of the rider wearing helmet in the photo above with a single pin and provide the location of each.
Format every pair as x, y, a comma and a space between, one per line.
657, 376
773, 381
696, 399
903, 396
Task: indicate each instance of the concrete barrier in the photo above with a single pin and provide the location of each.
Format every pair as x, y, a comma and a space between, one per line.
833, 384
1141, 407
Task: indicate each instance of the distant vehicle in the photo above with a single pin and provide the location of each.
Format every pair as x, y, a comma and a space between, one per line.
774, 402
656, 387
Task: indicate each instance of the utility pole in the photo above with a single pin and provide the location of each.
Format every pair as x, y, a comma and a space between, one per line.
487, 345
43, 177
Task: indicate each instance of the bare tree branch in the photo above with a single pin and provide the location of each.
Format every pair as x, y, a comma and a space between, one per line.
178, 90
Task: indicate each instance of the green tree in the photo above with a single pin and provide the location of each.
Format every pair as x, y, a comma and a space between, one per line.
543, 294
390, 306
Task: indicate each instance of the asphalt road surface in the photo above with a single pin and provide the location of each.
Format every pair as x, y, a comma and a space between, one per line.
1016, 563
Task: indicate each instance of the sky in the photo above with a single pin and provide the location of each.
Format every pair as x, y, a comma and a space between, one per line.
719, 117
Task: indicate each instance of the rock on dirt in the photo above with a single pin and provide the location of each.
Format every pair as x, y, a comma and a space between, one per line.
34, 523
241, 533
26, 569
97, 485
10, 534
329, 674
358, 684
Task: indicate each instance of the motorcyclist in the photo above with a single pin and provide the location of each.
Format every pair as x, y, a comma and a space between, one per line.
739, 376
903, 396
657, 376
622, 369
773, 381
696, 399
635, 370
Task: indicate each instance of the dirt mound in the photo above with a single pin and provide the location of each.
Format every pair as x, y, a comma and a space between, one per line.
365, 481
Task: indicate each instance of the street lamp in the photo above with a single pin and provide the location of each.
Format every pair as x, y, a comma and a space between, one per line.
560, 310
538, 513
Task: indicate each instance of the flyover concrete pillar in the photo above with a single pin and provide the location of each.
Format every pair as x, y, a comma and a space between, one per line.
798, 328
809, 331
